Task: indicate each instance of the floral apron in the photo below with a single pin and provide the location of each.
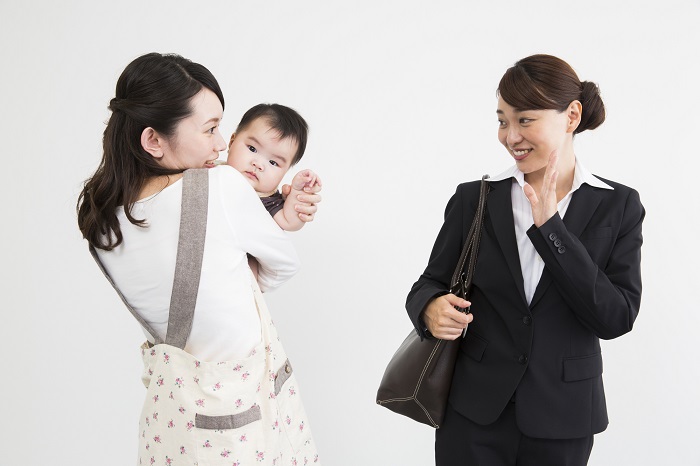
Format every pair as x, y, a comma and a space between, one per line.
234, 413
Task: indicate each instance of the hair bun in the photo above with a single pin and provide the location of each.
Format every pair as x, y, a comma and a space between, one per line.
115, 104
593, 108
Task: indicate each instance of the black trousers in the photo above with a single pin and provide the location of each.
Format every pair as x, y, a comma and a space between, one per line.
461, 442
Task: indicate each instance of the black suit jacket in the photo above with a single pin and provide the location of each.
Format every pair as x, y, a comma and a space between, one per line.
546, 354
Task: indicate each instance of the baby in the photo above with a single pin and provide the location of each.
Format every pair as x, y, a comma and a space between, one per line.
268, 141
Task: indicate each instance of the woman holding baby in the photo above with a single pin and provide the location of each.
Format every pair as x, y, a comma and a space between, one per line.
173, 235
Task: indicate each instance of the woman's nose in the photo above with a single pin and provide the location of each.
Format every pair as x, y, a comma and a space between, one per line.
219, 143
513, 136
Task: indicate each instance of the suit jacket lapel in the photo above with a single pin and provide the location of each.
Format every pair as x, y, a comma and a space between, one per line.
583, 205
500, 209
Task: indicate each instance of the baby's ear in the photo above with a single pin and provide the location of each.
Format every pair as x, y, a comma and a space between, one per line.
233, 136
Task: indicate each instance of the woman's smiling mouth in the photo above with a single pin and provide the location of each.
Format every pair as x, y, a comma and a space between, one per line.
520, 154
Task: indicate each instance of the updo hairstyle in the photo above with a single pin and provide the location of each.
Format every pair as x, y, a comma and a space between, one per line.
545, 82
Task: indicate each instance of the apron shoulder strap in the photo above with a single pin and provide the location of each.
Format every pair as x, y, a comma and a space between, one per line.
188, 263
143, 323
190, 251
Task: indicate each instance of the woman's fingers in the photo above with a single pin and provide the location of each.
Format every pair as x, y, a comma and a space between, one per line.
443, 320
309, 198
306, 212
305, 209
286, 189
451, 328
531, 195
551, 167
306, 217
544, 203
455, 300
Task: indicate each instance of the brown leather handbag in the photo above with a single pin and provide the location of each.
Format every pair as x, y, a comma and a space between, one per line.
417, 380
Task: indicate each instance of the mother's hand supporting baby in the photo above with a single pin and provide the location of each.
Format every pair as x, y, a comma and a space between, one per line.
443, 320
306, 207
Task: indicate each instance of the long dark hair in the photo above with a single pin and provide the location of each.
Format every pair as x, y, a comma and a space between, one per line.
545, 82
153, 91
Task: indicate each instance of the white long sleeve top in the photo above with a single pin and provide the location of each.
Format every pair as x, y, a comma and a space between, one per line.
226, 324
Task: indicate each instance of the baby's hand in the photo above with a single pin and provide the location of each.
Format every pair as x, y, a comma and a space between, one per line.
305, 179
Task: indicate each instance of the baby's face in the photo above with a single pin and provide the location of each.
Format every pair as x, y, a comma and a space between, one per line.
261, 156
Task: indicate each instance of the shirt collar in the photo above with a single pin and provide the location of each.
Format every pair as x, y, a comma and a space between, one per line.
581, 175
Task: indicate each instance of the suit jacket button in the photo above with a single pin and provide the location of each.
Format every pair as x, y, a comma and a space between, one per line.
527, 320
561, 250
552, 236
522, 359
557, 243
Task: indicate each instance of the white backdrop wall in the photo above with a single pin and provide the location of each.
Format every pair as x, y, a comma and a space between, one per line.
400, 97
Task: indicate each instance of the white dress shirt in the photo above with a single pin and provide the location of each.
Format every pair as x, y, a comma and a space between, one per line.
531, 263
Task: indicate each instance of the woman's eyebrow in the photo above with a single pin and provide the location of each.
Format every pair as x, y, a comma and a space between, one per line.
211, 120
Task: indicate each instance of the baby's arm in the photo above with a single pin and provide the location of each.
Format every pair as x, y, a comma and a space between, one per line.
288, 218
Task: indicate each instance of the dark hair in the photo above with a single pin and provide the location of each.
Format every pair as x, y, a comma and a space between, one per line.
153, 91
286, 121
544, 82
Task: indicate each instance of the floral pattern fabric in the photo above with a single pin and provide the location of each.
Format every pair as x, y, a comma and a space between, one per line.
265, 422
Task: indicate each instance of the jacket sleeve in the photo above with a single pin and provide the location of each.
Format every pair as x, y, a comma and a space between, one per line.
435, 280
604, 298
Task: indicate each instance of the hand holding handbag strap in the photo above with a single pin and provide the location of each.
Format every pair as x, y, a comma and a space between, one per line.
417, 380
462, 279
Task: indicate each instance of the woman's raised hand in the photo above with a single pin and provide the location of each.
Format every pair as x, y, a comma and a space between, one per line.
443, 320
544, 206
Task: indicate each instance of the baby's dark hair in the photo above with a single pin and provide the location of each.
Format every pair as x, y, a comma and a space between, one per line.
286, 121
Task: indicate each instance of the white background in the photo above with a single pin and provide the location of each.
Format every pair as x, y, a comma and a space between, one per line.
400, 97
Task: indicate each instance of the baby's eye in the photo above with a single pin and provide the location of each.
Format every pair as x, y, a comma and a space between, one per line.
274, 164
252, 149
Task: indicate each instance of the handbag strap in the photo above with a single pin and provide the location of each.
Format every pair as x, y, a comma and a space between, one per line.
462, 279
188, 263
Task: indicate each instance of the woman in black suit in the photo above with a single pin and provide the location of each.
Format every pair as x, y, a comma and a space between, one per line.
558, 269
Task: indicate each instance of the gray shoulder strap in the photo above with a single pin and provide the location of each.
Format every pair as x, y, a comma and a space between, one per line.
190, 250
188, 264
143, 323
